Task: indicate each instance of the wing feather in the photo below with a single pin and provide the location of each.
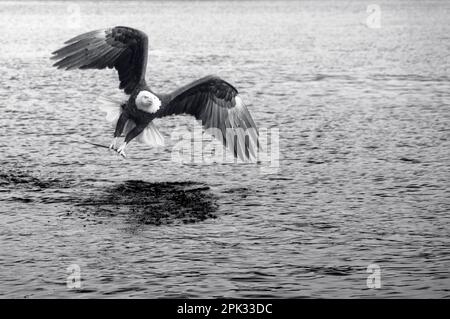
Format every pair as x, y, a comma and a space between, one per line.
217, 104
123, 48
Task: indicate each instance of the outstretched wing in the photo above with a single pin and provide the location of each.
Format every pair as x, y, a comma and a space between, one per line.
217, 104
120, 47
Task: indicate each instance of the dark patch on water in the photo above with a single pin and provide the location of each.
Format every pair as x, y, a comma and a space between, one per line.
20, 178
142, 202
410, 160
311, 161
329, 270
155, 203
236, 190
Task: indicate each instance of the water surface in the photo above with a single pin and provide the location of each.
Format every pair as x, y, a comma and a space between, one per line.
363, 116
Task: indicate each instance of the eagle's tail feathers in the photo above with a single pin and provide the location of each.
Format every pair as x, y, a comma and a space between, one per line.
151, 136
112, 107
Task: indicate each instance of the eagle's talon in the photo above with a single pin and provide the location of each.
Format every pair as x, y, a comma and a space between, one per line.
112, 146
121, 150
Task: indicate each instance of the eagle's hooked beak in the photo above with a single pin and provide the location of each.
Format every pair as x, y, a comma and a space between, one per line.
148, 101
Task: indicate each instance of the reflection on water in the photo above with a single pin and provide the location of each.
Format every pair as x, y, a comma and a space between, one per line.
141, 202
155, 203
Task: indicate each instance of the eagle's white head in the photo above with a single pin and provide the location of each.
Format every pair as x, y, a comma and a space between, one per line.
147, 102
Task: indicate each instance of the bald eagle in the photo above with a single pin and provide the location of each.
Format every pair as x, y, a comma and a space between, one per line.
213, 101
